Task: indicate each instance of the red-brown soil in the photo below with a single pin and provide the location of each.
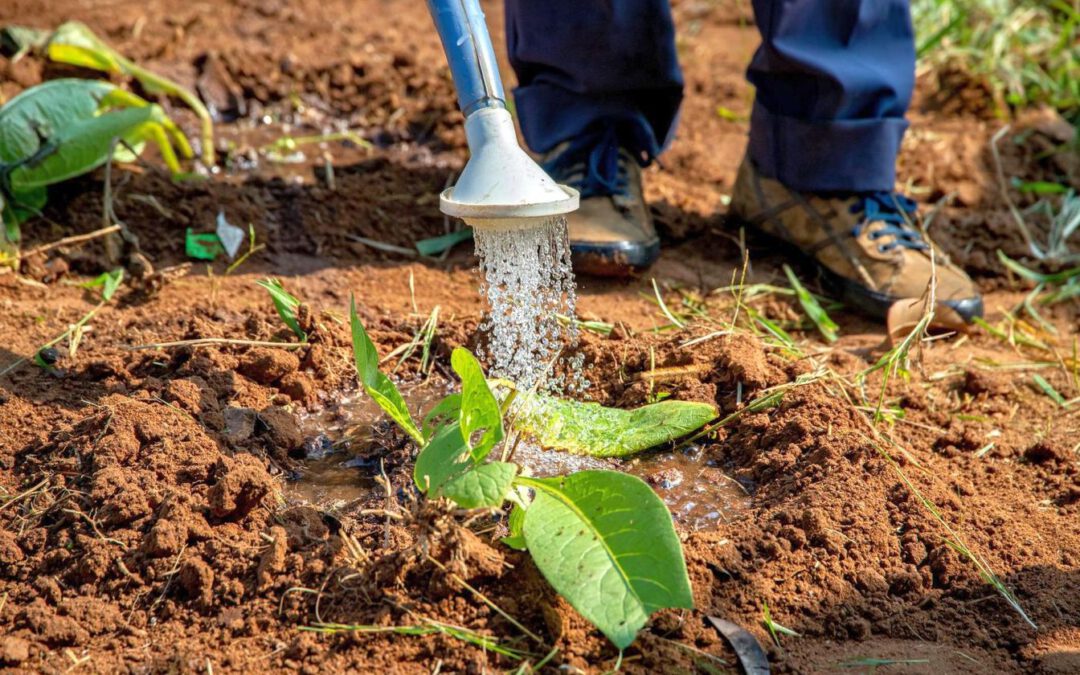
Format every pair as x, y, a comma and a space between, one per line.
143, 525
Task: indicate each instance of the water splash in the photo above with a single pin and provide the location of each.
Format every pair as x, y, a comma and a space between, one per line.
528, 282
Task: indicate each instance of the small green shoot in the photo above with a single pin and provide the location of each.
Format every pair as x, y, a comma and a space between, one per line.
436, 245
286, 305
826, 326
253, 248
1049, 390
109, 283
599, 327
873, 663
775, 629
280, 149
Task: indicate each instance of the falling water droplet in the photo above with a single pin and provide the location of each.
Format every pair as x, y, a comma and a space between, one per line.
528, 282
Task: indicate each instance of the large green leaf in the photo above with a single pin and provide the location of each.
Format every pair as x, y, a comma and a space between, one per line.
376, 384
481, 418
78, 147
43, 110
484, 486
605, 542
591, 429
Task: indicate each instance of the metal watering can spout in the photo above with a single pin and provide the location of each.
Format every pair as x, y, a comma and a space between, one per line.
501, 186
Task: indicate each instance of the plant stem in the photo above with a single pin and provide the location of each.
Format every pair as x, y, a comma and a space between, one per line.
201, 342
75, 239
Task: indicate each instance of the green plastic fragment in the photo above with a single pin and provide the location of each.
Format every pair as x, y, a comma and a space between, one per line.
202, 246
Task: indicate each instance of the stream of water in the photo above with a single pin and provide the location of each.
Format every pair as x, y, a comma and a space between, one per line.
528, 284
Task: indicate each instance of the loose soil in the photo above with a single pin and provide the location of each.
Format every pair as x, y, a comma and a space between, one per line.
150, 519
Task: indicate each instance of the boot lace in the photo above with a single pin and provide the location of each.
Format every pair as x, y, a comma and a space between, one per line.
890, 215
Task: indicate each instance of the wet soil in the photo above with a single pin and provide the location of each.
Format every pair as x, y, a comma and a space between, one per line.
150, 518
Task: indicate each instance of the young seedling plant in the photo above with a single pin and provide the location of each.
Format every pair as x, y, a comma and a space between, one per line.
602, 539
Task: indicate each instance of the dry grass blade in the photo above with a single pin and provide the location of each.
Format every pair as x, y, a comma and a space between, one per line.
953, 540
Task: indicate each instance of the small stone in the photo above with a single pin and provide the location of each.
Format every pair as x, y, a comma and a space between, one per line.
267, 366
13, 650
239, 423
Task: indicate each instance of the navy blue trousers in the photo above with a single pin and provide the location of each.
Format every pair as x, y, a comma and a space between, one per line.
833, 80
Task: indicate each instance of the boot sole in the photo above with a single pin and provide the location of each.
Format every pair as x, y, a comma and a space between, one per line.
618, 259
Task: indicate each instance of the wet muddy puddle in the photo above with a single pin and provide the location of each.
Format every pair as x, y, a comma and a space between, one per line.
339, 468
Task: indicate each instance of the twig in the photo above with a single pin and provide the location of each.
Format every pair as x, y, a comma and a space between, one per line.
1002, 183
488, 602
201, 342
75, 239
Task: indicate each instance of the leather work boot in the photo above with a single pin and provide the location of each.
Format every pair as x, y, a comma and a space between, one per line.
612, 234
866, 245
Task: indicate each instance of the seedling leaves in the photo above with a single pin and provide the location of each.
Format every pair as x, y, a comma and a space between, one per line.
480, 416
446, 410
591, 429
441, 459
376, 384
482, 487
605, 542
287, 305
108, 282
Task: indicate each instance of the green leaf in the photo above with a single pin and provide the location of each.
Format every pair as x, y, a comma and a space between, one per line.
436, 245
42, 110
481, 418
377, 385
516, 521
591, 429
441, 459
109, 282
18, 209
78, 147
1039, 187
826, 326
1037, 277
75, 44
605, 542
445, 411
286, 305
1049, 390
484, 486
56, 130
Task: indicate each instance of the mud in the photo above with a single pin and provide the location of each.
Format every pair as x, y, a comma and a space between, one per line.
150, 514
